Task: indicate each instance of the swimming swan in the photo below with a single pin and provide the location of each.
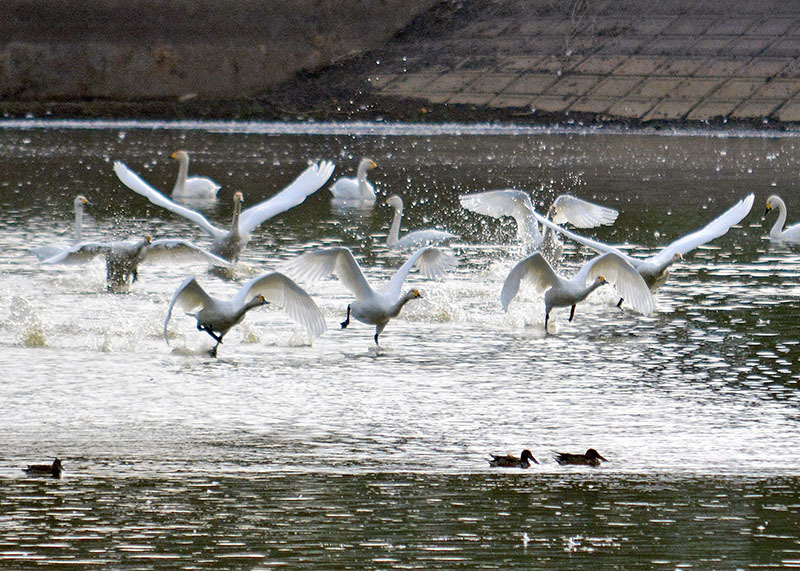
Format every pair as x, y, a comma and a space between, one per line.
194, 186
229, 244
790, 235
413, 239
655, 269
50, 250
562, 292
217, 316
517, 204
358, 188
370, 306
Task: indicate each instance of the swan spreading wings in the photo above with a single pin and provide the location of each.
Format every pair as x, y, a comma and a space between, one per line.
230, 243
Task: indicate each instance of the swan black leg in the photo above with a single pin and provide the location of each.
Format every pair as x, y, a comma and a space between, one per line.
619, 304
546, 320
207, 329
571, 313
346, 322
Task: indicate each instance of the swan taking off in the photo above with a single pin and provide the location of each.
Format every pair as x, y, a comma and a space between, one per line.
217, 316
50, 250
562, 292
198, 187
370, 306
655, 269
566, 209
357, 189
229, 244
124, 256
413, 239
790, 235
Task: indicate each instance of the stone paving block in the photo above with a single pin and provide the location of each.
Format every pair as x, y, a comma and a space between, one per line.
600, 64
573, 85
721, 67
712, 110
680, 66
733, 26
639, 65
518, 63
454, 81
546, 27
778, 89
763, 67
738, 88
794, 31
551, 104
790, 111
748, 46
556, 63
531, 83
440, 97
632, 108
657, 87
592, 105
673, 46
506, 101
710, 45
615, 86
696, 88
783, 47
690, 25
471, 98
624, 45
771, 27
651, 25
670, 110
411, 82
491, 82
756, 108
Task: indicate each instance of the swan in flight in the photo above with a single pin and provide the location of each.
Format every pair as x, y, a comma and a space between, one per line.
229, 244
517, 204
370, 306
562, 292
124, 256
655, 269
790, 235
217, 316
194, 186
413, 239
50, 250
356, 189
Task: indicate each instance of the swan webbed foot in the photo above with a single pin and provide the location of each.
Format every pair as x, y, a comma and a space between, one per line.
346, 322
213, 351
619, 304
571, 313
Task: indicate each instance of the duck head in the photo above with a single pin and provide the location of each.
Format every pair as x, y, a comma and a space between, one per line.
526, 455
593, 454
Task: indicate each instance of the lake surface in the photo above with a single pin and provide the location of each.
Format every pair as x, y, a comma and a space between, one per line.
332, 454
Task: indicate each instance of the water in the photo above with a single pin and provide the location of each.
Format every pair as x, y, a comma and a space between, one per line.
332, 454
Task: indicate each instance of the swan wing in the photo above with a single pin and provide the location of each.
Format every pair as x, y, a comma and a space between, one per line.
628, 282
338, 260
309, 181
714, 229
422, 237
139, 186
499, 203
281, 291
431, 262
533, 269
43, 253
189, 295
197, 187
79, 253
581, 213
595, 245
170, 249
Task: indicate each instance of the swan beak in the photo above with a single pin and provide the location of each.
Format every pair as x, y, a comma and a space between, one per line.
174, 155
374, 165
769, 207
148, 239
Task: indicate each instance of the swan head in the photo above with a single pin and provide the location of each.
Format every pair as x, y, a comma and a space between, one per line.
180, 155
413, 294
601, 280
148, 239
772, 202
593, 454
395, 202
259, 300
677, 257
368, 164
80, 200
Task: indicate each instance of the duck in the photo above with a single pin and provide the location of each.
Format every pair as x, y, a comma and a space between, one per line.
590, 458
230, 243
124, 256
413, 239
778, 233
50, 250
509, 461
357, 188
53, 470
197, 187
563, 292
565, 209
217, 316
372, 307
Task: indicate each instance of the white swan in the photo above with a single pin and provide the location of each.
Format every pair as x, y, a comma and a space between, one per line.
229, 244
50, 250
790, 235
370, 306
562, 292
517, 204
194, 186
217, 316
358, 188
413, 239
655, 269
124, 256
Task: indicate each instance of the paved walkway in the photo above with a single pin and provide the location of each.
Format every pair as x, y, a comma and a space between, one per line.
675, 60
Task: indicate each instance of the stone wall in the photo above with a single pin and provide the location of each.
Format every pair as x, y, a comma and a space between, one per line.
157, 49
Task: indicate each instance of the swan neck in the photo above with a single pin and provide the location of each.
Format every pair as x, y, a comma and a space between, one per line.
399, 305
777, 228
183, 172
394, 229
78, 221
237, 211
